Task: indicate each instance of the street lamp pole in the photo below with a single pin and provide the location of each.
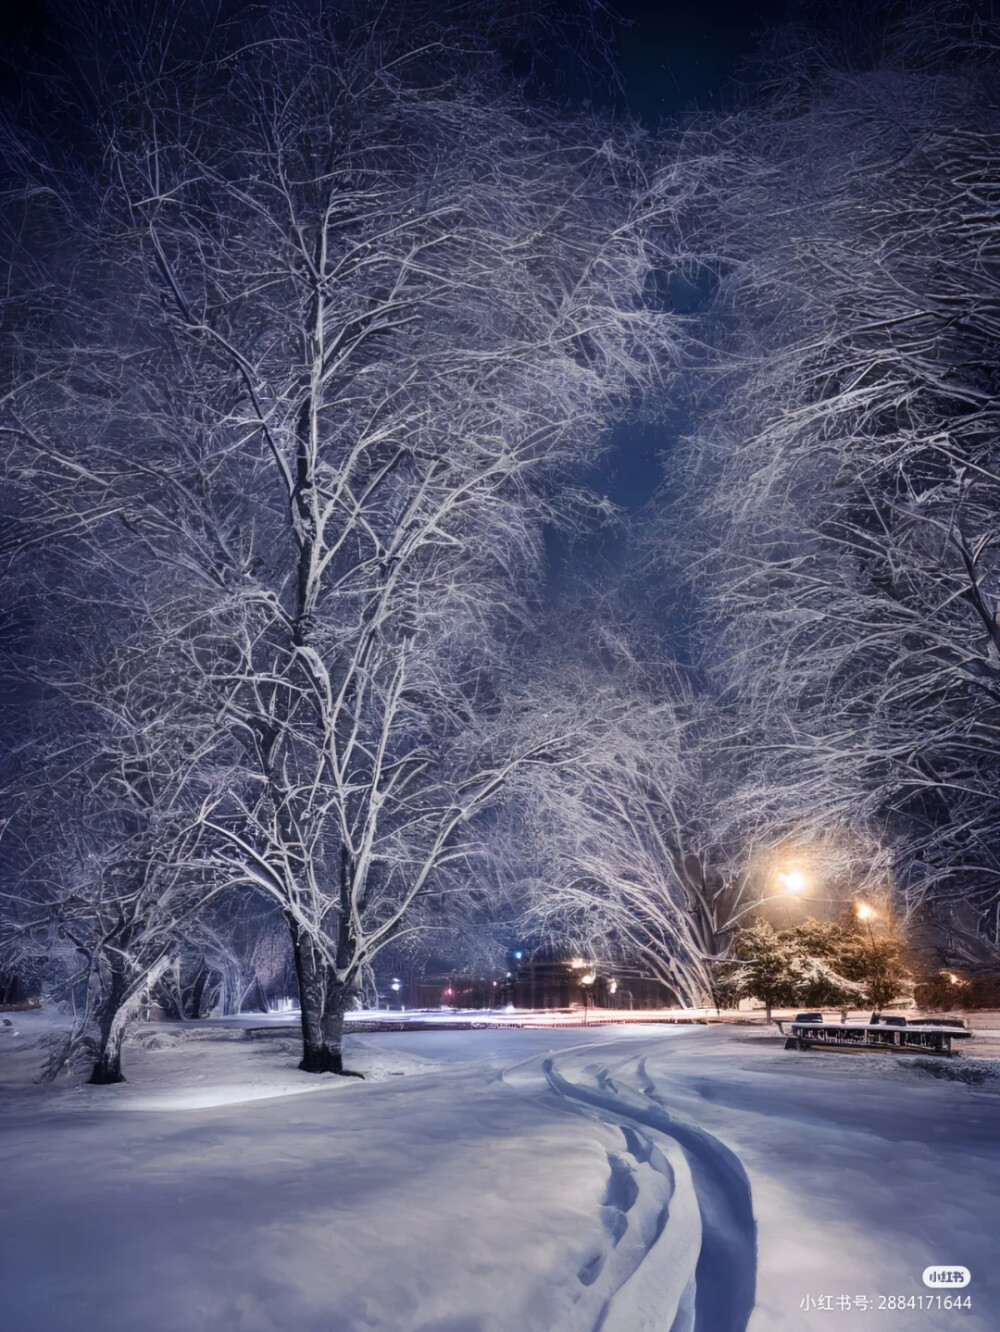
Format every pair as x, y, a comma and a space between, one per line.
587, 981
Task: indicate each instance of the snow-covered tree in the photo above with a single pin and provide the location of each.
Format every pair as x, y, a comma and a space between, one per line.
347, 313
838, 963
627, 849
842, 488
104, 833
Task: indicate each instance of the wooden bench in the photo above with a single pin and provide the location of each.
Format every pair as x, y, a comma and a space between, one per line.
894, 1034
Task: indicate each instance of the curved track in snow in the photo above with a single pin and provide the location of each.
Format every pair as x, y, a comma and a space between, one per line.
682, 1238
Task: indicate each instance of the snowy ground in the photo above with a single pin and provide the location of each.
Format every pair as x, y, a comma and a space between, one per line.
623, 1179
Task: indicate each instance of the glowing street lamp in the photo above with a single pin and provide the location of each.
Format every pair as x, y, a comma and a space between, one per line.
792, 881
865, 912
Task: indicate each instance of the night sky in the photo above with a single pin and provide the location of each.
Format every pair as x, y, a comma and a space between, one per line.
675, 57
672, 56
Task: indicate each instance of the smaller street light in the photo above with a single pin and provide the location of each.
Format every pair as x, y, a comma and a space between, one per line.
865, 912
587, 981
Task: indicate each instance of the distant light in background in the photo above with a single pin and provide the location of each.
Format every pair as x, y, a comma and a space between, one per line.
613, 987
865, 912
953, 978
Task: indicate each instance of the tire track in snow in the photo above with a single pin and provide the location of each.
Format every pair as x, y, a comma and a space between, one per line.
719, 1297
727, 1267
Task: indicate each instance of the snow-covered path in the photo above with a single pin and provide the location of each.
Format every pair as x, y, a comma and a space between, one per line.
702, 1274
624, 1180
860, 1172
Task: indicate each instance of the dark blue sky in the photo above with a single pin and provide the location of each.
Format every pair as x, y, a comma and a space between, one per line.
675, 58
672, 55
682, 54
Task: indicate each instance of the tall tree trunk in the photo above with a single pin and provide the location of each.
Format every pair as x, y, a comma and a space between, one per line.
108, 1067
197, 996
310, 978
335, 1005
9, 988
337, 996
123, 1003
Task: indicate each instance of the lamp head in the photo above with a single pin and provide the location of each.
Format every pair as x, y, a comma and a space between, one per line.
792, 881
